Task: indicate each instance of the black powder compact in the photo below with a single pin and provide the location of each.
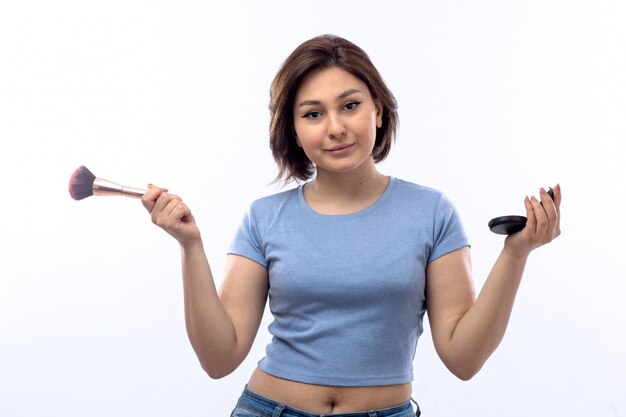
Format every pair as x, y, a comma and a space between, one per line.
507, 225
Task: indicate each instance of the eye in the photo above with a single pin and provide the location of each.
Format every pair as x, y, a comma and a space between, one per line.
312, 115
352, 105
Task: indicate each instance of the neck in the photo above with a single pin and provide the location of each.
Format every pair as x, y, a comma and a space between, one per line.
359, 183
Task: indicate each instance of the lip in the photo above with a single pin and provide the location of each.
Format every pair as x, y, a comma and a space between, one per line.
341, 148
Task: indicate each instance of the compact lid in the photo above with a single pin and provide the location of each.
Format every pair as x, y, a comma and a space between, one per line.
507, 225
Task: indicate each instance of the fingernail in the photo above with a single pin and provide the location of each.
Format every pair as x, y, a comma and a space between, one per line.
534, 199
543, 190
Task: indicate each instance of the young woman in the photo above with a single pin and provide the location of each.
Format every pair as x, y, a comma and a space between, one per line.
351, 259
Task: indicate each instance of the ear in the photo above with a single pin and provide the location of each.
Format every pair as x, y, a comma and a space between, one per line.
296, 136
379, 114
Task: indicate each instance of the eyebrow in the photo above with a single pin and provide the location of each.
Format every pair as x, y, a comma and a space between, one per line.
339, 97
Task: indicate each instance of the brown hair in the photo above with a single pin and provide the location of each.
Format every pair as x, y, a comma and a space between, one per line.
322, 52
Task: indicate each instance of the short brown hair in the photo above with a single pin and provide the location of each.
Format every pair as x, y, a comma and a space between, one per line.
322, 52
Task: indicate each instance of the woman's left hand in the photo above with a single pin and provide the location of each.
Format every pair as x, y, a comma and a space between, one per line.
543, 224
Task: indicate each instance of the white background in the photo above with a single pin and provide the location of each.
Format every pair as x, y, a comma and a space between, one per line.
497, 98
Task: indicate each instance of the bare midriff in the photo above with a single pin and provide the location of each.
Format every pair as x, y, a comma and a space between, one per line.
325, 399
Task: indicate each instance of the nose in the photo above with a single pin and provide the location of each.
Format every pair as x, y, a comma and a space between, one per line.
336, 127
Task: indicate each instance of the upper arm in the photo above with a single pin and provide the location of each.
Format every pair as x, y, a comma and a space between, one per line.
449, 295
243, 294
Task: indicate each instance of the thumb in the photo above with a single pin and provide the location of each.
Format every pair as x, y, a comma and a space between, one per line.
150, 197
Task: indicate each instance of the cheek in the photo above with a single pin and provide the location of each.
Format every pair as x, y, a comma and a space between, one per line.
307, 136
367, 128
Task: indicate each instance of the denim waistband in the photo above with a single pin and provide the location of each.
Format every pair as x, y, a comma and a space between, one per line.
270, 408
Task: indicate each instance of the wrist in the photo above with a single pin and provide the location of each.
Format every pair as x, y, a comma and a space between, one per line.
191, 244
515, 252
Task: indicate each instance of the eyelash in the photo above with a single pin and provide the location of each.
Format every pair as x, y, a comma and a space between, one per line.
356, 104
310, 114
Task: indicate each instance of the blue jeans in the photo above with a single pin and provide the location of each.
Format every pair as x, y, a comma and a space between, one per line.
254, 405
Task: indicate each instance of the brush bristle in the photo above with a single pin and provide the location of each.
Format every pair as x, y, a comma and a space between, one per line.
81, 183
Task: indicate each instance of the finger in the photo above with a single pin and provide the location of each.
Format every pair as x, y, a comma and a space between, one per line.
174, 205
184, 213
162, 202
557, 204
540, 216
187, 215
150, 197
548, 206
166, 217
552, 211
531, 222
557, 196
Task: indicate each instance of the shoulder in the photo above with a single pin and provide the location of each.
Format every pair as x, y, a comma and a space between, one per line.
265, 209
262, 213
273, 201
421, 201
418, 193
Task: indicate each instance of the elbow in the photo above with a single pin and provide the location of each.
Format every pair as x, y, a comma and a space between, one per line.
216, 365
464, 365
216, 375
465, 374
465, 371
216, 372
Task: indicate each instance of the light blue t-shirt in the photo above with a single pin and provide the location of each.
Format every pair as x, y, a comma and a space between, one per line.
347, 291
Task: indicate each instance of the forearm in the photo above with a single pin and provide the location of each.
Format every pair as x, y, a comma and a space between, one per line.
221, 333
466, 330
209, 327
481, 329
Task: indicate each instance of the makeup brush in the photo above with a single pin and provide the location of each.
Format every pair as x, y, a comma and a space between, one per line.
83, 184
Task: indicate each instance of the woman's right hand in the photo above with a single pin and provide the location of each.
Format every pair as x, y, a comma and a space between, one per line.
171, 214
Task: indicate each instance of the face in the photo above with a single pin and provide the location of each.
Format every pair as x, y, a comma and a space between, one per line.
335, 119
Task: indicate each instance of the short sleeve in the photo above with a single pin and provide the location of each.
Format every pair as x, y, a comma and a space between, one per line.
448, 232
247, 241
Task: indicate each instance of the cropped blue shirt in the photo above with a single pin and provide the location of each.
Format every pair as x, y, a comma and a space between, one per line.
347, 291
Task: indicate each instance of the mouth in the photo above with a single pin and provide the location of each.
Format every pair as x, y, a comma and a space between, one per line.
340, 148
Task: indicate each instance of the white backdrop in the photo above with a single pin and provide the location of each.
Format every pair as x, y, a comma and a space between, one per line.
497, 98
